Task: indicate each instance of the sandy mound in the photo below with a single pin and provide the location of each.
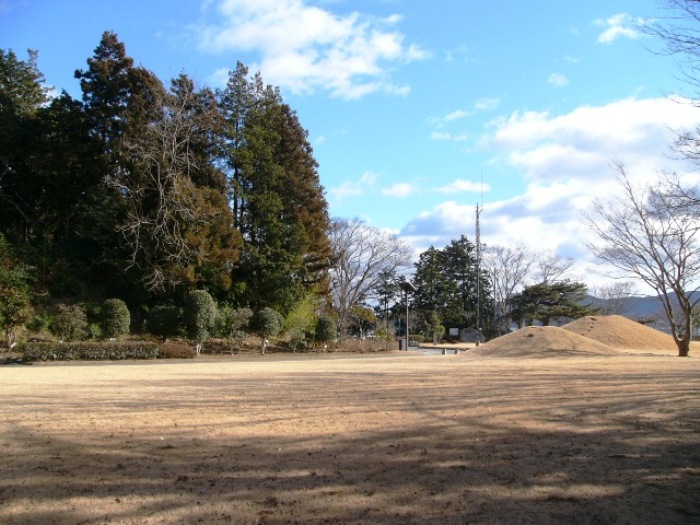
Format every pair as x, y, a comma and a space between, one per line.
622, 333
542, 341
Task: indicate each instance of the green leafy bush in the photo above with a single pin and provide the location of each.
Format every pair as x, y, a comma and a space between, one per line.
164, 321
268, 323
230, 322
70, 323
326, 329
115, 318
88, 351
200, 316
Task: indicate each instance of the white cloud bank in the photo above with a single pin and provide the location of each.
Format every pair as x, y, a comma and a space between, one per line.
306, 48
565, 161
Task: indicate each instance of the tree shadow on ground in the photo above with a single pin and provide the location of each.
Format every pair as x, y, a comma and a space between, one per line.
575, 452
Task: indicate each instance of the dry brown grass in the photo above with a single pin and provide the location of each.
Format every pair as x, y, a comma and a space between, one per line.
398, 438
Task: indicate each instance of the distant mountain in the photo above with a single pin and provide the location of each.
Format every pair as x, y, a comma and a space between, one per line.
645, 309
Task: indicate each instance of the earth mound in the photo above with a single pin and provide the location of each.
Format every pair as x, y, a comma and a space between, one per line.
542, 341
621, 333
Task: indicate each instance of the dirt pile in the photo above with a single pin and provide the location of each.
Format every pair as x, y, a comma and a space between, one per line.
621, 333
542, 341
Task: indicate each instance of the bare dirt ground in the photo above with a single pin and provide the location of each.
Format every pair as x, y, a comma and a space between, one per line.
393, 438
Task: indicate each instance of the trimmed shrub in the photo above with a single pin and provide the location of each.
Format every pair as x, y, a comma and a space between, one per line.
164, 321
116, 318
268, 323
200, 316
70, 323
230, 321
297, 339
88, 351
326, 329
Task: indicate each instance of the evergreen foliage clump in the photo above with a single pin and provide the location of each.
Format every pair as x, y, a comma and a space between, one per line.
326, 329
116, 318
164, 321
88, 351
268, 323
200, 315
70, 323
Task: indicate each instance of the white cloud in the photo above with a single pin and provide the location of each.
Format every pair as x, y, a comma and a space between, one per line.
464, 186
558, 80
617, 26
487, 104
349, 189
439, 123
457, 115
583, 142
565, 161
306, 48
444, 135
399, 190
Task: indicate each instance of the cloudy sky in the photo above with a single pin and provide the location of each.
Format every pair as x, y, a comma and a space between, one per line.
418, 111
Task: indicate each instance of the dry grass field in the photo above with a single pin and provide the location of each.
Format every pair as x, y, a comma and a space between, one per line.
511, 432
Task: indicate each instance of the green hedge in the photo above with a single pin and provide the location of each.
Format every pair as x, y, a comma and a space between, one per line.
88, 351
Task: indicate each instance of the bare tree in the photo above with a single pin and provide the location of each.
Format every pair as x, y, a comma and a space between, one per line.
614, 298
363, 254
551, 267
507, 268
680, 32
167, 213
651, 234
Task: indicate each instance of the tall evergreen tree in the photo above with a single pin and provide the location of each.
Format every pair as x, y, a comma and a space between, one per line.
275, 193
452, 287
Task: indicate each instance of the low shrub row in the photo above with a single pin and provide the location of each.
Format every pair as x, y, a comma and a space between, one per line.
88, 351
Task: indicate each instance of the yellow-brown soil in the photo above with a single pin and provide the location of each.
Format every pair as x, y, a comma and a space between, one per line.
624, 334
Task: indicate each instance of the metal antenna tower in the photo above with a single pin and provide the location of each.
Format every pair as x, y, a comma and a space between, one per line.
478, 269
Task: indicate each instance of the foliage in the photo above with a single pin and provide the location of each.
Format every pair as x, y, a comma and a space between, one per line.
93, 351
277, 200
362, 319
545, 302
165, 187
302, 318
450, 284
268, 323
231, 322
200, 315
436, 329
164, 321
15, 291
116, 318
70, 322
326, 329
297, 339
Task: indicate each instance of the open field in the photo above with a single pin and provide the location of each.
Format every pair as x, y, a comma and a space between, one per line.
389, 438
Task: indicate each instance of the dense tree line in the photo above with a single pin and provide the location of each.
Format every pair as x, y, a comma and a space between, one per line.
146, 192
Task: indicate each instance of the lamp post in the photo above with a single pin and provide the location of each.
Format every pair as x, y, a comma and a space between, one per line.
407, 287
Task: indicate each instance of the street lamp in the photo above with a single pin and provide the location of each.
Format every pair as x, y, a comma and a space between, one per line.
407, 287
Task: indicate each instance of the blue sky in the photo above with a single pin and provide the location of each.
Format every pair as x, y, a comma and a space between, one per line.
418, 110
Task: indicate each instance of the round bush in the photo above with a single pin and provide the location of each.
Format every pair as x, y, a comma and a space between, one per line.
268, 322
326, 329
200, 315
116, 318
164, 321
